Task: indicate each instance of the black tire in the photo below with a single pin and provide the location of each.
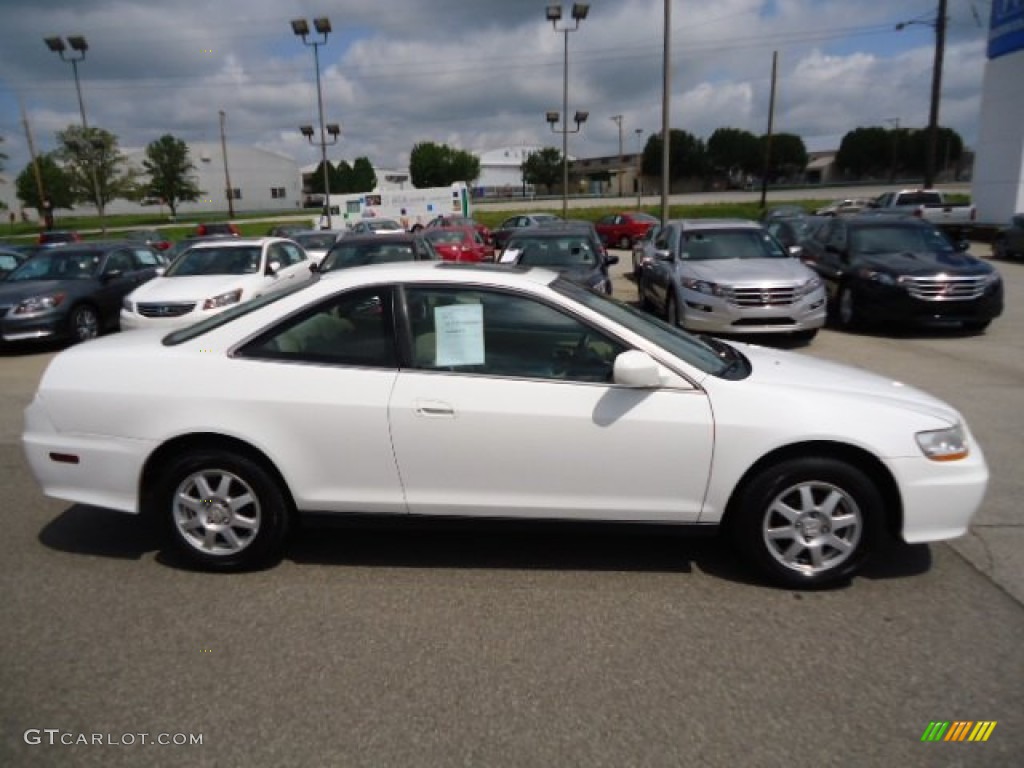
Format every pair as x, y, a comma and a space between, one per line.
977, 326
645, 300
806, 336
672, 314
833, 519
210, 531
83, 323
848, 313
625, 243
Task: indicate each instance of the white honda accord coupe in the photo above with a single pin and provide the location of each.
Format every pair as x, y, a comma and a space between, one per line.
390, 389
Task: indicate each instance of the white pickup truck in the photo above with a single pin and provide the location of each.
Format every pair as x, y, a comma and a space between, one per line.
928, 204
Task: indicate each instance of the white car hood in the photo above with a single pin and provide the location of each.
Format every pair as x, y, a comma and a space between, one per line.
746, 271
795, 371
192, 287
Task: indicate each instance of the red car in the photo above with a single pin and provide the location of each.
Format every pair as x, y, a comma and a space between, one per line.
620, 230
459, 244
217, 228
58, 237
453, 220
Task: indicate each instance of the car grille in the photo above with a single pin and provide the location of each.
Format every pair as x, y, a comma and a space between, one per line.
945, 288
165, 310
761, 297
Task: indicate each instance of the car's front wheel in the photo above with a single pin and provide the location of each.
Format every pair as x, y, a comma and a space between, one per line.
226, 512
807, 522
848, 312
625, 243
84, 323
673, 315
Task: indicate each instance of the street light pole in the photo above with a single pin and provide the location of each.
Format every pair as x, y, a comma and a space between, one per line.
639, 166
618, 122
936, 93
79, 45
554, 15
323, 27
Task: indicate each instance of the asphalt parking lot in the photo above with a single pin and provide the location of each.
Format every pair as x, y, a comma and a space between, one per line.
523, 645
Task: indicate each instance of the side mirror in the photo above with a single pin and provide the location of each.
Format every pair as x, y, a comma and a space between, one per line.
796, 251
159, 271
313, 267
112, 275
273, 268
661, 255
963, 246
636, 369
610, 260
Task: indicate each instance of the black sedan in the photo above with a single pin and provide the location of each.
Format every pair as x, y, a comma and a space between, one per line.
575, 252
72, 291
517, 223
884, 270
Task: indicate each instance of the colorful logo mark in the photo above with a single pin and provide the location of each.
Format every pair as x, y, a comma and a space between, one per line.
958, 730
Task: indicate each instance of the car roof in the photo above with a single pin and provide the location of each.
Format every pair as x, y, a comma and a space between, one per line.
238, 242
393, 237
710, 224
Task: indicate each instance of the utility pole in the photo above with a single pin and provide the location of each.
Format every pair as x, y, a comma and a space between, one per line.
32, 152
666, 93
227, 176
933, 114
768, 138
618, 121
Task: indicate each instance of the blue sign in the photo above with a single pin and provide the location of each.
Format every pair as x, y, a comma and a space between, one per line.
1006, 30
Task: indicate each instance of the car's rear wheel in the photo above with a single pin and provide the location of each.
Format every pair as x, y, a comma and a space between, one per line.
84, 323
807, 522
625, 243
226, 511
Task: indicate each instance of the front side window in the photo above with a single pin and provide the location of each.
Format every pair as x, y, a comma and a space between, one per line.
66, 265
494, 333
146, 257
354, 328
119, 261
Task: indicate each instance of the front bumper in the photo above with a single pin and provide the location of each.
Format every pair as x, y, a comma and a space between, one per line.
105, 471
38, 325
704, 313
894, 305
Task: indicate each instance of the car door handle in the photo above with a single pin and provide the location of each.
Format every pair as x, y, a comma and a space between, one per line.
434, 408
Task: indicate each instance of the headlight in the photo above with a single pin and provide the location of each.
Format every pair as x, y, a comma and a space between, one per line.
39, 304
126, 305
702, 286
809, 287
943, 444
231, 297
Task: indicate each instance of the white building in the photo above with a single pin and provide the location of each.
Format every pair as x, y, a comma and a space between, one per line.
260, 180
501, 171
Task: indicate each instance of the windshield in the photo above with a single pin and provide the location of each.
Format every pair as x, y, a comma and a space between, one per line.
378, 224
344, 255
675, 341
317, 241
446, 236
63, 265
896, 239
568, 251
717, 244
228, 260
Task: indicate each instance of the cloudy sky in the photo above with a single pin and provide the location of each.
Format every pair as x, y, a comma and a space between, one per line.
479, 74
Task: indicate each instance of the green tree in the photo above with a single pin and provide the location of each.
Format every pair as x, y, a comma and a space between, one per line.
341, 180
96, 170
688, 156
363, 177
55, 184
543, 167
170, 172
438, 165
734, 151
316, 181
788, 155
867, 152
